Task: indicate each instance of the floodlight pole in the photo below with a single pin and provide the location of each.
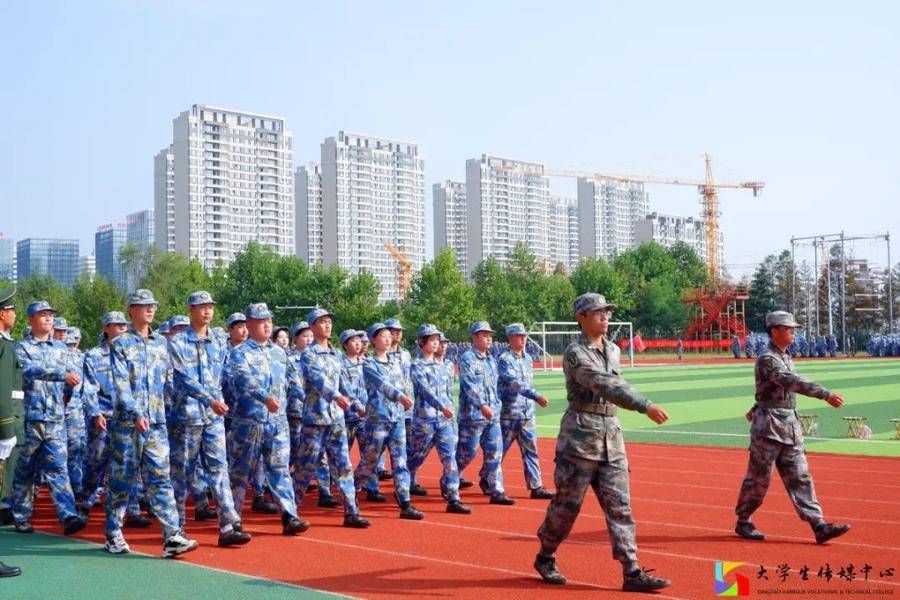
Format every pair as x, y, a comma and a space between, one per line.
843, 345
890, 287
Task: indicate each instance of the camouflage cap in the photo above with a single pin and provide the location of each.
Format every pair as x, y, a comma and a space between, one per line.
347, 334
234, 318
74, 332
363, 335
315, 314
590, 302
114, 317
516, 329
298, 328
164, 327
480, 326
198, 298
6, 296
179, 321
39, 306
393, 324
278, 328
780, 318
374, 328
141, 298
259, 310
427, 330
60, 324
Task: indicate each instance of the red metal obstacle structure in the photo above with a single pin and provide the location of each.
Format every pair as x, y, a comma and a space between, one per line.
720, 312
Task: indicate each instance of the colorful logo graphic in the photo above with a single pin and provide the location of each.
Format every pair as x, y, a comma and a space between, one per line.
741, 585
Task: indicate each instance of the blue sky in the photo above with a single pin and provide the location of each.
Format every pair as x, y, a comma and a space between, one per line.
801, 95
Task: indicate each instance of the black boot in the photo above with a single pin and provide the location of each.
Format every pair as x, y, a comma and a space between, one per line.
546, 568
640, 580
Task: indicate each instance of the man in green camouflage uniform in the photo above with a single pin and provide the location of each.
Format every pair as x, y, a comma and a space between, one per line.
777, 438
10, 379
590, 450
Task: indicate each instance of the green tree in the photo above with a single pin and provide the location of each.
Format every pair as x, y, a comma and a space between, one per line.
172, 278
763, 294
597, 275
441, 296
91, 299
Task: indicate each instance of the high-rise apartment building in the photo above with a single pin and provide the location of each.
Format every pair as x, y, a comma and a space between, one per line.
308, 228
607, 214
164, 199
508, 201
233, 183
141, 237
668, 230
108, 243
373, 193
7, 258
87, 266
450, 222
42, 256
563, 233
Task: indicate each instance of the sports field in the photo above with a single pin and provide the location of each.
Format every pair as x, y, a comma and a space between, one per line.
684, 480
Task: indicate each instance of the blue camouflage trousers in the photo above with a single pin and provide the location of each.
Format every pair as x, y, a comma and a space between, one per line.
198, 452
132, 453
790, 460
332, 441
250, 442
44, 453
439, 434
95, 469
355, 430
378, 436
76, 448
489, 436
323, 472
609, 480
524, 432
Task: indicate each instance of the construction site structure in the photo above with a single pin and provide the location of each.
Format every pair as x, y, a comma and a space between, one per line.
404, 269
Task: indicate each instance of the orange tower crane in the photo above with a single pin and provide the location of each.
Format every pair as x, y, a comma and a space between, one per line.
404, 269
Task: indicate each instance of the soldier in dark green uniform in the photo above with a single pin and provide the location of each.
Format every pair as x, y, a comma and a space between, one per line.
590, 450
9, 380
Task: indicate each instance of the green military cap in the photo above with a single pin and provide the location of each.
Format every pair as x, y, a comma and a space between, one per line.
780, 318
6, 296
589, 302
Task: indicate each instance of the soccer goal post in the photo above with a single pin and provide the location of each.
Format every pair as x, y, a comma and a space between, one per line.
553, 336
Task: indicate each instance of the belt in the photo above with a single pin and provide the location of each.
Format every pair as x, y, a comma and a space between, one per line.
603, 409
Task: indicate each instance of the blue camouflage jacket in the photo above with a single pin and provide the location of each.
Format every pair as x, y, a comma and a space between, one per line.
141, 371
322, 384
99, 389
257, 372
43, 371
74, 395
449, 375
353, 385
477, 386
515, 378
197, 362
404, 359
297, 398
384, 387
429, 379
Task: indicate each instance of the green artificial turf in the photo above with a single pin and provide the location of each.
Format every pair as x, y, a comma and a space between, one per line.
706, 404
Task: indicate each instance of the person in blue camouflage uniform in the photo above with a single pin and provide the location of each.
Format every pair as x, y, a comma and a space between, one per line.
323, 416
141, 370
831, 345
401, 355
518, 397
44, 363
590, 449
776, 437
385, 425
479, 414
197, 434
736, 346
76, 432
353, 386
433, 425
259, 431
820, 346
98, 406
749, 345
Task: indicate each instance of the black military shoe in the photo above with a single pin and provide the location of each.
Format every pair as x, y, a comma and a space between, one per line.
8, 571
356, 522
465, 484
234, 538
204, 513
261, 505
640, 580
417, 490
542, 493
73, 525
24, 527
458, 508
239, 527
375, 496
137, 521
6, 517
546, 568
411, 513
502, 499
326, 501
829, 531
292, 525
748, 530
385, 475
485, 488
